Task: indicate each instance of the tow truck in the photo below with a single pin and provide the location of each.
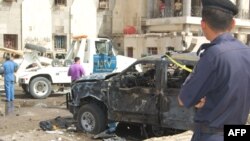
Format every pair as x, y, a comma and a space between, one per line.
97, 56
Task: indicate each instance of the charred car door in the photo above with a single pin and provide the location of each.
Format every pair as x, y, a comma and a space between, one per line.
172, 114
134, 95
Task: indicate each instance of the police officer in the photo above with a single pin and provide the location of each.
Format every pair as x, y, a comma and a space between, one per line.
219, 85
9, 69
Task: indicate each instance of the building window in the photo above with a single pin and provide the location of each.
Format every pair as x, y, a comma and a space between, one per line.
60, 42
10, 0
61, 2
102, 47
152, 51
103, 4
130, 52
169, 48
10, 41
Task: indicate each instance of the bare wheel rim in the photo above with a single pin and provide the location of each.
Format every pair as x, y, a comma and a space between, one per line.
88, 121
40, 88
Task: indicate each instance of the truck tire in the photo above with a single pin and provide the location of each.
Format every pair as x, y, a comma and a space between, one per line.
91, 118
40, 87
55, 63
25, 88
68, 62
35, 47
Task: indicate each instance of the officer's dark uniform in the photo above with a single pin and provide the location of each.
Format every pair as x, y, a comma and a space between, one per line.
222, 76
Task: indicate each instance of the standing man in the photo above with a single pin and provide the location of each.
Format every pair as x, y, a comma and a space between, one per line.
219, 85
178, 8
162, 8
10, 68
76, 70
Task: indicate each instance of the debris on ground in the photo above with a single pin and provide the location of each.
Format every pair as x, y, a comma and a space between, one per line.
55, 132
104, 135
109, 134
116, 138
46, 125
185, 136
57, 123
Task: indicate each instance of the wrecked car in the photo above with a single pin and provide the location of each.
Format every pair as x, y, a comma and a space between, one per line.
145, 93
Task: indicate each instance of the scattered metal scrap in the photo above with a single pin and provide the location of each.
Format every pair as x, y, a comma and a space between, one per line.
57, 123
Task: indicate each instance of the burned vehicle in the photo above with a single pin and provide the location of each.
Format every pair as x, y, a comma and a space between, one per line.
145, 93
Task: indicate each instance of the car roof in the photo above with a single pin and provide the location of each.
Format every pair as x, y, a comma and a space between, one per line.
184, 58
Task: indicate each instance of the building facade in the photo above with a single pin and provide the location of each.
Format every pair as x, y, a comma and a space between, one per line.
51, 23
138, 27
10, 23
177, 26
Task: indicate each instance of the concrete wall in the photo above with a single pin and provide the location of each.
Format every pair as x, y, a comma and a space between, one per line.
137, 43
37, 22
104, 23
84, 17
61, 21
10, 21
140, 43
42, 20
243, 9
104, 20
128, 13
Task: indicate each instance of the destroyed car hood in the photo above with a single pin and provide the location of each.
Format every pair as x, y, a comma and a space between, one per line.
186, 58
97, 76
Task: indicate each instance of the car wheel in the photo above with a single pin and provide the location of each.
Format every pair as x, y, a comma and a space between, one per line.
91, 119
155, 131
25, 88
40, 87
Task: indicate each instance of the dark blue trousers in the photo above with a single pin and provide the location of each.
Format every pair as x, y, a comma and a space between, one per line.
9, 90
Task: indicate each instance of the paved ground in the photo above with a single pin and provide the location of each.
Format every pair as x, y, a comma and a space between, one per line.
19, 121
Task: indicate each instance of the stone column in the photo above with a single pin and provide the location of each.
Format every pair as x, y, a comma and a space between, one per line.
186, 7
242, 38
150, 8
243, 9
243, 14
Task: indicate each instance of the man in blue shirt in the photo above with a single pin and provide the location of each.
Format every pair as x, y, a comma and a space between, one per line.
10, 68
219, 85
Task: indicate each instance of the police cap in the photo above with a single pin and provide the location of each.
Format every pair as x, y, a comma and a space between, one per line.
224, 5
